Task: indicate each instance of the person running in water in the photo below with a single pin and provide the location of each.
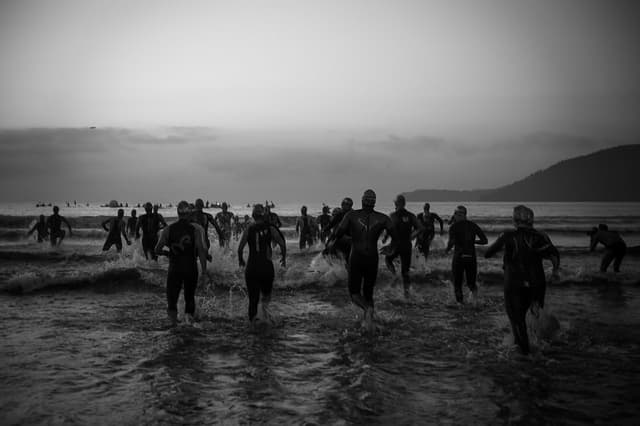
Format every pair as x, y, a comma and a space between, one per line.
323, 222
524, 279
259, 272
203, 219
132, 223
54, 225
41, 228
615, 247
305, 229
365, 227
185, 241
224, 219
406, 228
150, 223
115, 229
427, 219
462, 237
342, 245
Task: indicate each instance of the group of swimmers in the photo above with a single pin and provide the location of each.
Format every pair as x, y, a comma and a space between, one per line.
352, 235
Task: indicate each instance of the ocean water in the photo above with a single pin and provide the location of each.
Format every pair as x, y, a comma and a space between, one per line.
85, 337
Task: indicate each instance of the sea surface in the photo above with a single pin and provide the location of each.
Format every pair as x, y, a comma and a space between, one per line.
85, 338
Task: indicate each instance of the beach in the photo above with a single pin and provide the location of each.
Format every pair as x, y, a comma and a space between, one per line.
86, 339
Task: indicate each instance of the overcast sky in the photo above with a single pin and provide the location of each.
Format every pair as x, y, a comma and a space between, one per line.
278, 77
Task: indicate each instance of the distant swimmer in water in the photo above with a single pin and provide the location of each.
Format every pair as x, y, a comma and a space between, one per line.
203, 219
259, 272
524, 280
132, 224
41, 228
54, 225
323, 222
463, 237
305, 229
342, 245
427, 219
615, 247
150, 223
406, 227
224, 220
185, 241
365, 227
115, 230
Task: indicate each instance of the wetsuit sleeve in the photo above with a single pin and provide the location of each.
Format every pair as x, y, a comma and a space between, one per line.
277, 237
496, 246
451, 241
343, 227
123, 231
482, 239
162, 221
104, 225
439, 219
594, 242
243, 242
200, 246
549, 251
162, 241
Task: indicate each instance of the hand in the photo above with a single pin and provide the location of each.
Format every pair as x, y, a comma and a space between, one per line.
241, 262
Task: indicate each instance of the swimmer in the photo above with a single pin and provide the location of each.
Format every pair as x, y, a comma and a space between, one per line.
203, 219
54, 225
151, 224
427, 219
132, 223
259, 272
615, 247
41, 228
305, 229
223, 219
115, 229
462, 237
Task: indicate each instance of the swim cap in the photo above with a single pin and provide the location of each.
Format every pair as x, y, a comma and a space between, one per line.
258, 211
426, 206
120, 212
400, 200
224, 205
369, 198
461, 210
199, 203
522, 215
183, 209
56, 209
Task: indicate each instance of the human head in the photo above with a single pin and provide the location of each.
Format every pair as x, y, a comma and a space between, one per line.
56, 209
522, 216
325, 209
183, 209
426, 207
148, 207
347, 204
155, 208
121, 213
258, 212
199, 204
336, 211
134, 213
303, 210
224, 207
593, 231
369, 198
400, 201
460, 213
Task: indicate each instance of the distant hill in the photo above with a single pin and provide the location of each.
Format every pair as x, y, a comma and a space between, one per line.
609, 175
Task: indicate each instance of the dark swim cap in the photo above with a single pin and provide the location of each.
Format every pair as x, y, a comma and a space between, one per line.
120, 212
400, 200
258, 211
522, 215
426, 206
369, 198
183, 209
199, 203
225, 205
148, 206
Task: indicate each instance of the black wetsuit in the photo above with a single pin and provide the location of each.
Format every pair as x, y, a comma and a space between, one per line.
365, 227
54, 224
524, 279
404, 222
183, 266
131, 226
615, 249
114, 237
323, 221
305, 227
203, 219
273, 219
423, 242
463, 234
41, 231
150, 224
342, 244
259, 273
